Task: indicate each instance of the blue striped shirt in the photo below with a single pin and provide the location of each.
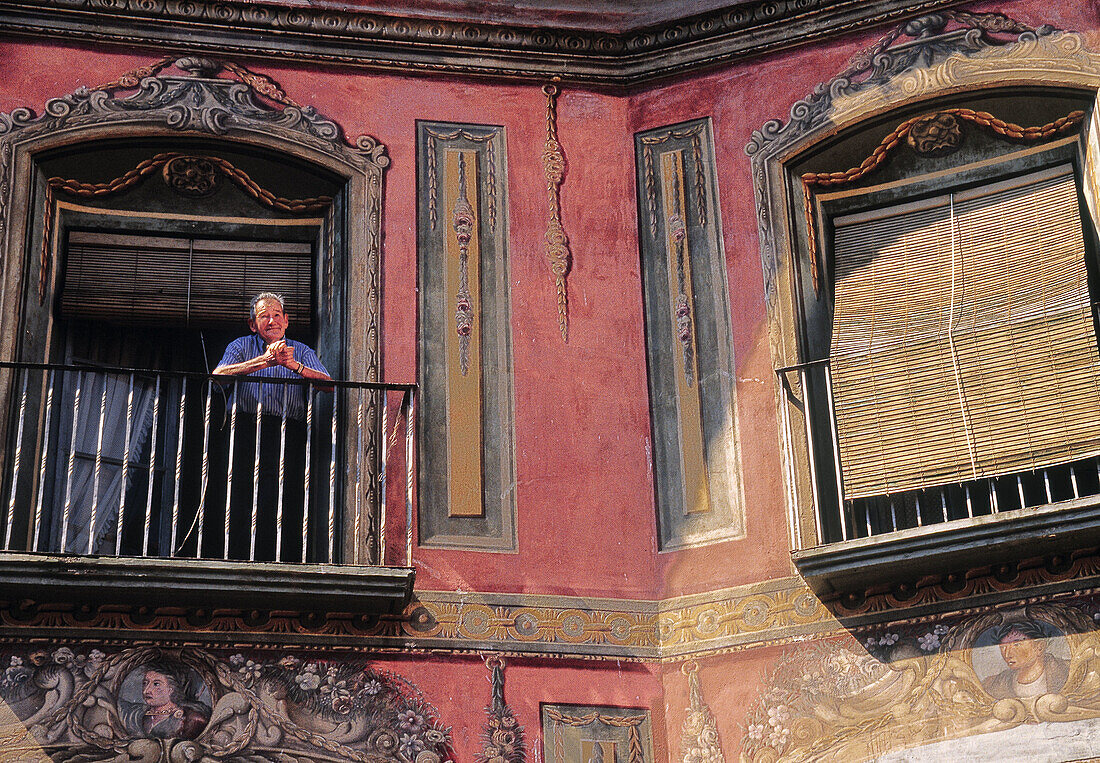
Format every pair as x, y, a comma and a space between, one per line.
271, 395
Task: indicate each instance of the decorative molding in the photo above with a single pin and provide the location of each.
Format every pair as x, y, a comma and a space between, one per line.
462, 248
670, 630
378, 41
693, 411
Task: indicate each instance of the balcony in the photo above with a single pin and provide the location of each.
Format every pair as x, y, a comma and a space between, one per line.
154, 488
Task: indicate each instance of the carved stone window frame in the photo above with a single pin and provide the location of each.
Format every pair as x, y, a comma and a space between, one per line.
971, 61
197, 103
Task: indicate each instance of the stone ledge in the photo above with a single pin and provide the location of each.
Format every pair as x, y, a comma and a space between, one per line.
852, 567
205, 583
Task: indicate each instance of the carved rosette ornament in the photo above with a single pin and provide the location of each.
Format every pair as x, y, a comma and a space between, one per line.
193, 176
935, 134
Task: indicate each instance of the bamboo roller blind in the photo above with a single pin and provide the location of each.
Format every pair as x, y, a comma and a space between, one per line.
147, 280
963, 339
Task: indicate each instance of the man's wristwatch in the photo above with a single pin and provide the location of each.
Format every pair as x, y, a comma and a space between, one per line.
301, 365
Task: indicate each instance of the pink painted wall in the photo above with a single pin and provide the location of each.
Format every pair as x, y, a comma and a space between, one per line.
584, 485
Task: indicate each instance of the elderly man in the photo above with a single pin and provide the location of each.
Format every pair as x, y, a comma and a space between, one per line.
274, 408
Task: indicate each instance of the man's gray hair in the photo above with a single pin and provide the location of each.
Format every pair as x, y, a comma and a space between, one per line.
265, 295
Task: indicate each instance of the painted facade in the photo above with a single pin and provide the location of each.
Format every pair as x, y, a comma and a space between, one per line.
498, 238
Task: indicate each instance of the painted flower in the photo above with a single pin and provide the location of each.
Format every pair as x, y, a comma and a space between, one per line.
888, 639
16, 661
372, 687
941, 630
778, 738
250, 670
410, 745
307, 680
290, 662
929, 642
756, 731
237, 660
411, 720
64, 656
778, 715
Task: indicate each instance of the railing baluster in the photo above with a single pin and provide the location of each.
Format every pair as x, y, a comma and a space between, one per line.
1046, 484
893, 515
358, 476
97, 469
124, 475
43, 461
1020, 490
65, 511
1073, 482
15, 464
920, 520
172, 549
147, 527
282, 472
229, 467
835, 437
256, 477
205, 476
305, 477
382, 478
788, 447
818, 507
331, 524
410, 425
993, 496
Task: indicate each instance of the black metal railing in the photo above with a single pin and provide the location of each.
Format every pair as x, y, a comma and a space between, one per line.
807, 393
131, 462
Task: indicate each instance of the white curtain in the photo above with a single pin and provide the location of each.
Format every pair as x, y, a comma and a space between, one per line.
103, 397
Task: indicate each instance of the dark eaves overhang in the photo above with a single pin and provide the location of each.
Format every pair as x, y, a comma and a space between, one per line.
385, 42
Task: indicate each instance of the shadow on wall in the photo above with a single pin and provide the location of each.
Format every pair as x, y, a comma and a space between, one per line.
1015, 677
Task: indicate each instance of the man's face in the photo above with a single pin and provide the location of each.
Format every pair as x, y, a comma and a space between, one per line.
270, 321
156, 689
1021, 654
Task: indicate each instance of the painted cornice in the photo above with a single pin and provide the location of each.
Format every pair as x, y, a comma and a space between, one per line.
376, 41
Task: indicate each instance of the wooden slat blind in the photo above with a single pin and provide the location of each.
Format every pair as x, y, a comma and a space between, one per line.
147, 280
963, 338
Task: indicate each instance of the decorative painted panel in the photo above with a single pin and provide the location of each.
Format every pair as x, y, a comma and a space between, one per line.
467, 463
80, 702
1014, 683
596, 734
688, 338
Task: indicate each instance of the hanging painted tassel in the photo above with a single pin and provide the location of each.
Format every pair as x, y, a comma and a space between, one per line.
503, 736
700, 740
